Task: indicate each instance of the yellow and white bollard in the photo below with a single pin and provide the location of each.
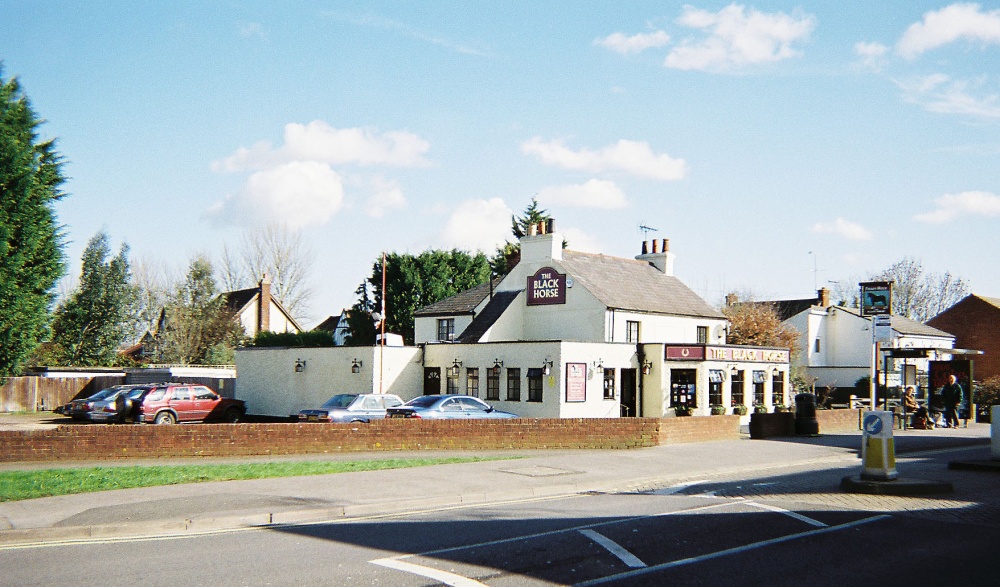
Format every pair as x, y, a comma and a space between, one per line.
878, 452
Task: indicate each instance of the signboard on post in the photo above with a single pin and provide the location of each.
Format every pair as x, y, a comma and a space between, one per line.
883, 327
876, 298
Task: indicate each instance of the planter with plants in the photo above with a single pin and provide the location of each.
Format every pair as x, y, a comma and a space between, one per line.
682, 411
759, 409
717, 410
740, 410
779, 409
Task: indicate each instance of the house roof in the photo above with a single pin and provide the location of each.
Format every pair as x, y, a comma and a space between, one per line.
630, 284
238, 301
788, 308
991, 301
328, 325
465, 302
903, 325
490, 314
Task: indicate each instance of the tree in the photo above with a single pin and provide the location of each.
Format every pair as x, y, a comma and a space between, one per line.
196, 327
280, 253
919, 295
98, 316
508, 254
759, 324
31, 258
413, 282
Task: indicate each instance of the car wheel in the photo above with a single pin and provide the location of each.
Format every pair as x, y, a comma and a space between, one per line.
165, 418
233, 415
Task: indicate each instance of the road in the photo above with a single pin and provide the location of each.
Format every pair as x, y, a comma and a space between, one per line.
787, 526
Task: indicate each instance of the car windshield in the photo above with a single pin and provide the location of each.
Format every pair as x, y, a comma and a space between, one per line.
104, 393
340, 401
424, 401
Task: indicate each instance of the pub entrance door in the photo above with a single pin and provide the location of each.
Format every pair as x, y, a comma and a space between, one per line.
629, 403
432, 380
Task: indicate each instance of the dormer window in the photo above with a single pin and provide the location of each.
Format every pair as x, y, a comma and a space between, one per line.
446, 329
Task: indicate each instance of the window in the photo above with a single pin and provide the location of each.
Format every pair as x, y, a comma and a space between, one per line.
817, 345
446, 329
472, 381
703, 335
778, 388
683, 389
736, 388
759, 377
451, 382
513, 384
631, 331
715, 381
534, 384
492, 384
609, 383
203, 393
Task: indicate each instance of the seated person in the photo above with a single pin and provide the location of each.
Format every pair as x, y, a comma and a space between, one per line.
910, 406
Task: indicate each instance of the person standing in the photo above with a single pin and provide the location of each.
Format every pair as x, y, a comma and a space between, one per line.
951, 393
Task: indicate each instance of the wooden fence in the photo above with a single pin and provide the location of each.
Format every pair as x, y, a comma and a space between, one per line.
31, 394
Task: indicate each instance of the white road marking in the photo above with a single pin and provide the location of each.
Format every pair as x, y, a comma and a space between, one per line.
728, 551
679, 487
788, 513
614, 548
436, 574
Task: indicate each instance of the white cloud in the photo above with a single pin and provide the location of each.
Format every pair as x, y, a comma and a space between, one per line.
578, 240
253, 29
872, 55
631, 156
737, 37
952, 206
387, 196
477, 225
845, 228
637, 43
943, 95
596, 193
318, 141
297, 194
950, 24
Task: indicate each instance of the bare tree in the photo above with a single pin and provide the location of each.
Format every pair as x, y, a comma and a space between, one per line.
155, 284
921, 295
279, 252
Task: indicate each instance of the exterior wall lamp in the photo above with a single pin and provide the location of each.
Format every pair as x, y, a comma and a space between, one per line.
599, 365
734, 371
300, 365
647, 366
546, 366
776, 372
497, 365
455, 368
356, 366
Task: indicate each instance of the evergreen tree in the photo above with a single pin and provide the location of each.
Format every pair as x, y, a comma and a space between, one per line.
97, 318
508, 254
31, 259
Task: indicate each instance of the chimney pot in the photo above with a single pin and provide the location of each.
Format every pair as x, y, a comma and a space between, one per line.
654, 246
666, 245
532, 229
645, 247
550, 225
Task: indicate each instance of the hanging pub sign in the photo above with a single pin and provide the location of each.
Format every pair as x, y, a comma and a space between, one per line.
546, 286
876, 298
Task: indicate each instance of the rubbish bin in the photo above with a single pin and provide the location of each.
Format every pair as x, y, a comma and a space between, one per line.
805, 414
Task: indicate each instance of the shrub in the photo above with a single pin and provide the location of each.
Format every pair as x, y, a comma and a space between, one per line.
717, 410
313, 338
740, 410
987, 393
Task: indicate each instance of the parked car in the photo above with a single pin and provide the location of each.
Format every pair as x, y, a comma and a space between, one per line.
352, 407
446, 407
112, 408
80, 409
184, 402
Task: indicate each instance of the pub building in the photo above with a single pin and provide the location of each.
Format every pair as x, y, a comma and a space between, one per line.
580, 335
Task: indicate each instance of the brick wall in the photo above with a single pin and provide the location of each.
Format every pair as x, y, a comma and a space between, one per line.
699, 429
974, 322
831, 421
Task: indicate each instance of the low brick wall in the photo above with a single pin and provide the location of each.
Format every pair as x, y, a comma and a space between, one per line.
831, 421
699, 429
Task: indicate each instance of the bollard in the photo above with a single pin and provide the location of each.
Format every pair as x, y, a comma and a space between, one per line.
878, 451
995, 432
805, 414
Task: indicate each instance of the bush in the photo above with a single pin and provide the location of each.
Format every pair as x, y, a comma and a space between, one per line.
987, 393
313, 338
759, 409
717, 410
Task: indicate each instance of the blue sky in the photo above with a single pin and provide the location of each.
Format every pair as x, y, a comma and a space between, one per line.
778, 145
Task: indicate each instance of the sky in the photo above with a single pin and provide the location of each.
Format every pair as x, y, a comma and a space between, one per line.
780, 146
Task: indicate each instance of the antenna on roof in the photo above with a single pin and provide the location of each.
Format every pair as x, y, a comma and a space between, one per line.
646, 230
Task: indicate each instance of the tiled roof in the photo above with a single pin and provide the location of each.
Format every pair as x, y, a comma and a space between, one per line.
490, 314
461, 303
238, 299
904, 325
991, 301
629, 284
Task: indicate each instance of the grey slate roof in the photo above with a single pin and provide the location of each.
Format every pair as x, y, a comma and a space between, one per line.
904, 325
490, 314
458, 304
630, 284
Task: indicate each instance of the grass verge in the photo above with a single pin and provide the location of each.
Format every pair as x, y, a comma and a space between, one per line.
18, 485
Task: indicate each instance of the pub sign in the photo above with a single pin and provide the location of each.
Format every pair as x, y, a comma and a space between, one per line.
876, 298
547, 286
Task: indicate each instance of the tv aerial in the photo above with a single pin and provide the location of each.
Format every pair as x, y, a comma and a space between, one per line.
646, 230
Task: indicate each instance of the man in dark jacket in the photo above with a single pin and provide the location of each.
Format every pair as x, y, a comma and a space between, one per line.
951, 393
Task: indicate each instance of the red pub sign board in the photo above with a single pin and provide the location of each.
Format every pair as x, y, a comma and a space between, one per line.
546, 286
725, 353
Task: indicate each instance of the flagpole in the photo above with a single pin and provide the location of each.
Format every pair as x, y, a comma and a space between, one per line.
381, 352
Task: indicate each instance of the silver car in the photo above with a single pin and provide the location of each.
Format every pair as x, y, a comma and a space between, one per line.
447, 407
352, 407
106, 409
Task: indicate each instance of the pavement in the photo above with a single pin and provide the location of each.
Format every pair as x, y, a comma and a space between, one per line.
521, 474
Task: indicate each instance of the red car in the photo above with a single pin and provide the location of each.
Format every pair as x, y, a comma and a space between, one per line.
182, 402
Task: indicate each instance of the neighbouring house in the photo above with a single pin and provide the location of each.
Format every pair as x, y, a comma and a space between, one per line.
975, 322
258, 311
563, 334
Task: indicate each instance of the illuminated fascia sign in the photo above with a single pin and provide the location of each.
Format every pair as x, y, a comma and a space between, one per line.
717, 353
876, 298
546, 286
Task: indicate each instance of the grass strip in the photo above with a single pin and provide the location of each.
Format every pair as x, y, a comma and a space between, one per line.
18, 485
